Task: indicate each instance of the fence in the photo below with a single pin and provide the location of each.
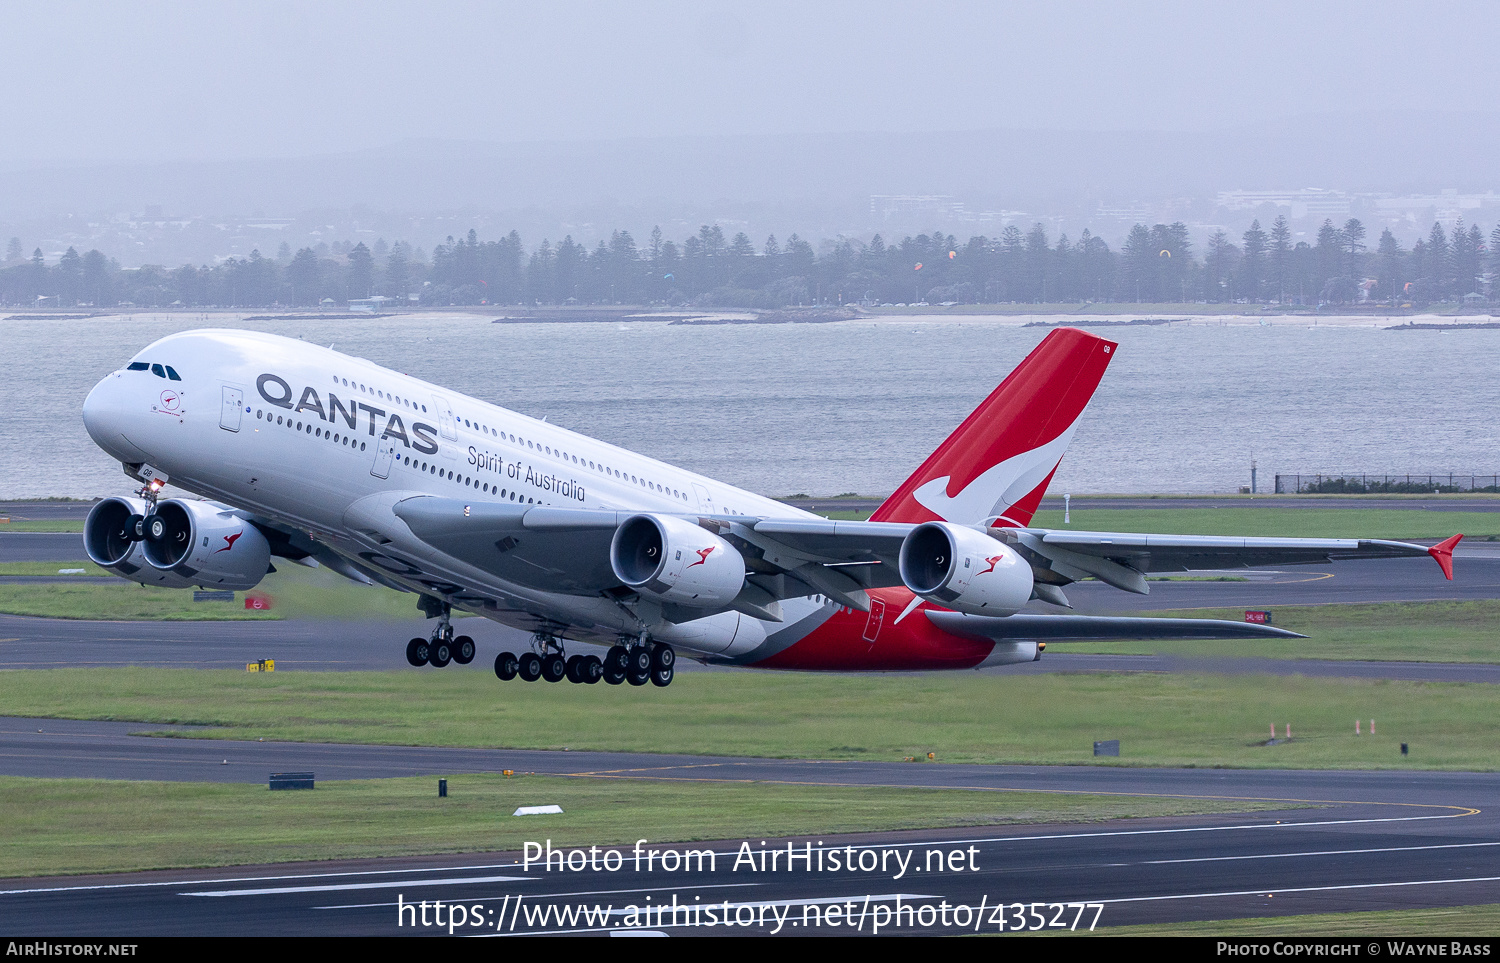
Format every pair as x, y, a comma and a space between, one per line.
1360, 484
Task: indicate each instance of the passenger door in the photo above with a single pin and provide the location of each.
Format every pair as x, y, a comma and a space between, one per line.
231, 408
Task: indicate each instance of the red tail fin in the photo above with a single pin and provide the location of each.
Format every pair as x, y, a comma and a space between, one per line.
1001, 459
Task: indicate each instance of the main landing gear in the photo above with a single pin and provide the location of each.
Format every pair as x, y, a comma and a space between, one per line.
636, 664
442, 647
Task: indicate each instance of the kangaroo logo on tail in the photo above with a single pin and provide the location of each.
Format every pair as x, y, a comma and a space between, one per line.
996, 466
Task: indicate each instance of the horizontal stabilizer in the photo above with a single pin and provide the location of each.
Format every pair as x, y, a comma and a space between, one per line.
1442, 553
1094, 628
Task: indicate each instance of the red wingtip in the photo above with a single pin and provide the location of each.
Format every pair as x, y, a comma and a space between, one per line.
1443, 553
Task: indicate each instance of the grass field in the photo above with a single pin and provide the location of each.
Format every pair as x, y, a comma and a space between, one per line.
1448, 631
56, 826
49, 568
1310, 522
42, 525
295, 591
126, 601
1161, 720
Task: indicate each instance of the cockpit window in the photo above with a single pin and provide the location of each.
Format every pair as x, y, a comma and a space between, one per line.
161, 371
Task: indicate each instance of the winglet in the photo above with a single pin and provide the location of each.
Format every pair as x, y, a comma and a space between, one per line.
1443, 553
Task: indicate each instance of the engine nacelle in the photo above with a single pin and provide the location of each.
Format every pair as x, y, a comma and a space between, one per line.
205, 545
725, 634
673, 560
964, 570
109, 539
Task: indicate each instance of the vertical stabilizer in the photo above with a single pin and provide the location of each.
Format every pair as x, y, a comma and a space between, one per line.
998, 463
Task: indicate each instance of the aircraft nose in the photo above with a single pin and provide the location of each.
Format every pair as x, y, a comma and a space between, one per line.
104, 417
97, 410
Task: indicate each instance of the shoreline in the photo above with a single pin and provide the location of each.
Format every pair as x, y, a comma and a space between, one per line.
1040, 316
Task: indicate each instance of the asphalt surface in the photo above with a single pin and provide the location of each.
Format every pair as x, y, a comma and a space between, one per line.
42, 547
342, 645
1345, 841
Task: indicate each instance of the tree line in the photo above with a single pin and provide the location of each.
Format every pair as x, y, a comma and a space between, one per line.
1156, 264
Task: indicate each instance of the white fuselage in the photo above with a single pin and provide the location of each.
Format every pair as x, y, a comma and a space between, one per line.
320, 442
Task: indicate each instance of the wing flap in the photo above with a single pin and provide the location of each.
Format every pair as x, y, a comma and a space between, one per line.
555, 549
1179, 553
1096, 628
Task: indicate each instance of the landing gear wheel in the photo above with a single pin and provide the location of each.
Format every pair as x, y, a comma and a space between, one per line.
417, 652
506, 666
639, 660
463, 650
662, 677
154, 528
571, 668
618, 657
612, 675
662, 657
530, 668
441, 653
554, 668
638, 678
135, 528
590, 670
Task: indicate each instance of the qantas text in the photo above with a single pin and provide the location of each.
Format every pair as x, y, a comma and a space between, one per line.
275, 390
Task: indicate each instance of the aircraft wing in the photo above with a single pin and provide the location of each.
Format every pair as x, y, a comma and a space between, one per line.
1094, 628
558, 549
567, 549
1122, 559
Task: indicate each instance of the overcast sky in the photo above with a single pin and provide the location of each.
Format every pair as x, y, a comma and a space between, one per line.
194, 80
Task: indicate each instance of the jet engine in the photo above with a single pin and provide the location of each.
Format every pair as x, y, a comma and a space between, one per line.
673, 560
110, 538
205, 545
964, 570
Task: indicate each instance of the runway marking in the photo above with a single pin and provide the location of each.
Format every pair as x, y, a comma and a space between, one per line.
250, 879
1316, 577
385, 884
1326, 852
594, 892
1302, 889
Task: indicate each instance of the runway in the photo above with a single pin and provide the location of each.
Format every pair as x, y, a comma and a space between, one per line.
312, 645
1346, 841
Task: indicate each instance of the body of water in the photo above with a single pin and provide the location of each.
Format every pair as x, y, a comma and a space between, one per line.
857, 405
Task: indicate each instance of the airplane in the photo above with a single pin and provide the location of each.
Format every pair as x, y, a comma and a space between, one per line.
309, 455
